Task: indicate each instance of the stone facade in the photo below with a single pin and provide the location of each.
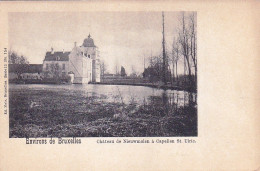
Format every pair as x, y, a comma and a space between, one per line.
58, 69
83, 62
80, 66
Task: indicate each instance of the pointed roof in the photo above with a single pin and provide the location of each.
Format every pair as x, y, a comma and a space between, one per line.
88, 42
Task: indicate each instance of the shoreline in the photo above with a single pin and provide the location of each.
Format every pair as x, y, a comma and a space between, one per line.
165, 87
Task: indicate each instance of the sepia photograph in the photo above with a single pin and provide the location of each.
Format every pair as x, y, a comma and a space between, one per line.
102, 74
129, 85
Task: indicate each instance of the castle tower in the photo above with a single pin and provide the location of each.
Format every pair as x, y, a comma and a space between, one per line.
90, 50
84, 62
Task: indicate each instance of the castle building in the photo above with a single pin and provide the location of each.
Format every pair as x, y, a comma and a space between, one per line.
82, 64
56, 64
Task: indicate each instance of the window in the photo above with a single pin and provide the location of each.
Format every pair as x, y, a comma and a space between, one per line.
89, 56
63, 66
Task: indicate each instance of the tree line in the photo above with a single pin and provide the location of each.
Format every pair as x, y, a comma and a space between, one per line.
183, 50
15, 58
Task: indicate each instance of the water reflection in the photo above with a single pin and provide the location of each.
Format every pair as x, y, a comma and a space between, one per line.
121, 94
169, 103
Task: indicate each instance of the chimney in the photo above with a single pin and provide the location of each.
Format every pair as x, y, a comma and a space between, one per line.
52, 51
75, 44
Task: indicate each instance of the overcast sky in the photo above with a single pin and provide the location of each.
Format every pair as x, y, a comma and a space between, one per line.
122, 37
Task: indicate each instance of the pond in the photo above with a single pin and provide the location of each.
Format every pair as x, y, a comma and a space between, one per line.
100, 111
115, 93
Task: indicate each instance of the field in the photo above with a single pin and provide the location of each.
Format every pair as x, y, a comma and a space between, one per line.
63, 113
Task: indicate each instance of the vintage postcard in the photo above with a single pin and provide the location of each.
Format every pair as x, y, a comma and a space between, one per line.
136, 79
129, 86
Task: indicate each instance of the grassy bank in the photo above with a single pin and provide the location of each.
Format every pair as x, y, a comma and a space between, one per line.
61, 113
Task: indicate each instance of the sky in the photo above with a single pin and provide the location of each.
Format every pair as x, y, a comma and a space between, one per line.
123, 38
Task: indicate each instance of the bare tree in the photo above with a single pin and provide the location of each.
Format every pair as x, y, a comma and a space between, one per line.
185, 44
175, 59
103, 69
55, 70
133, 72
164, 77
193, 42
14, 58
